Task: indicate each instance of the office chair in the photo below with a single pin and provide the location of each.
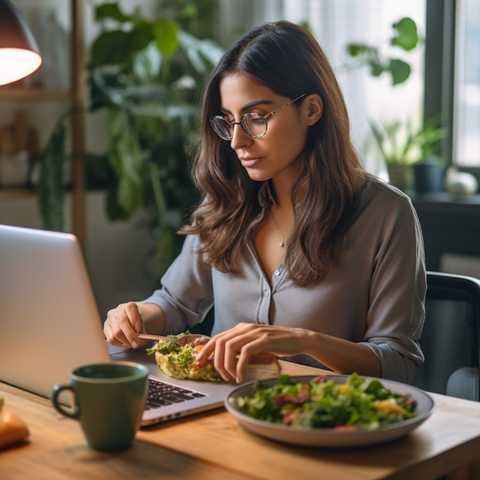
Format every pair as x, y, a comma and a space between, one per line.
450, 337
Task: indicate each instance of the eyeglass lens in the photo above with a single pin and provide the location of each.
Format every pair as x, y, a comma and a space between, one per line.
253, 124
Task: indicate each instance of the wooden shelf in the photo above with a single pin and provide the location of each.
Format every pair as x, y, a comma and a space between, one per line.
26, 94
12, 193
75, 96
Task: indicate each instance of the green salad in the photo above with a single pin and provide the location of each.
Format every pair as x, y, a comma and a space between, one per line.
321, 403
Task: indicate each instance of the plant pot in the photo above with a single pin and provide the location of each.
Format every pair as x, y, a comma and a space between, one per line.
400, 176
428, 177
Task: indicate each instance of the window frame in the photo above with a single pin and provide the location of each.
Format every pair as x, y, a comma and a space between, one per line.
440, 71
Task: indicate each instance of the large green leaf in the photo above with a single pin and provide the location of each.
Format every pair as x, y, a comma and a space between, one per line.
356, 49
376, 67
399, 70
129, 195
147, 63
166, 34
107, 90
200, 53
126, 160
111, 11
189, 10
209, 50
117, 47
406, 37
50, 188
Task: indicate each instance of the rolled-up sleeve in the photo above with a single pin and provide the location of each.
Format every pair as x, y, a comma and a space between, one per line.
397, 293
186, 295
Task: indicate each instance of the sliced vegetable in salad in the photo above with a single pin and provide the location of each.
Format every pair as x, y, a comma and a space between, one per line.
359, 403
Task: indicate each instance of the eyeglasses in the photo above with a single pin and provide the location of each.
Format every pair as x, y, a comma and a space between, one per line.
253, 124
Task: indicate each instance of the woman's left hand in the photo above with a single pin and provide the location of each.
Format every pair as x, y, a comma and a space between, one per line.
247, 339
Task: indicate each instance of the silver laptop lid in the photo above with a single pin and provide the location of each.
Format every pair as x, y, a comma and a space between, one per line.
49, 321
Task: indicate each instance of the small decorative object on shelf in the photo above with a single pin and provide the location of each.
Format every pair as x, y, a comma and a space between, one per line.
14, 169
19, 151
460, 183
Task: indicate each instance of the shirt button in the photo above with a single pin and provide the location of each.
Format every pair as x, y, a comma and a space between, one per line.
277, 273
267, 293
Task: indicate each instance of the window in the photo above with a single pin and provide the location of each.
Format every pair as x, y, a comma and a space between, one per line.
336, 24
466, 139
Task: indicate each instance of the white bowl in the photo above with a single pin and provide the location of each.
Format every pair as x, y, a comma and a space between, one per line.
327, 437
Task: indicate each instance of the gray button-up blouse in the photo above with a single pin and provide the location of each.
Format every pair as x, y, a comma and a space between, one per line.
376, 298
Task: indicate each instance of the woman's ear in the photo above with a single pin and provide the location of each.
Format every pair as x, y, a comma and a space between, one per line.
313, 108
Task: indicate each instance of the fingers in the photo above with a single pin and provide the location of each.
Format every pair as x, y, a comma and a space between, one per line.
245, 355
123, 325
240, 342
234, 348
134, 318
110, 336
216, 347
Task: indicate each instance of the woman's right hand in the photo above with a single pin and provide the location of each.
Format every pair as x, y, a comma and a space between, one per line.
122, 326
125, 322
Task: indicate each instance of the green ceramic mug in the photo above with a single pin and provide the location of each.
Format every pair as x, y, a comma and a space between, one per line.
109, 402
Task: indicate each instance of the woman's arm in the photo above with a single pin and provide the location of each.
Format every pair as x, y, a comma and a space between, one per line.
184, 300
247, 339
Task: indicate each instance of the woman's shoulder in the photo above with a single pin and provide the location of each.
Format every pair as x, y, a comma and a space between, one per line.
382, 200
378, 190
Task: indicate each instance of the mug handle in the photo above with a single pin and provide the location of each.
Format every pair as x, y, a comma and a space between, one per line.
57, 389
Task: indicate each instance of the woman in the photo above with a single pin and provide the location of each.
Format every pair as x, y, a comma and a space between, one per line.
304, 254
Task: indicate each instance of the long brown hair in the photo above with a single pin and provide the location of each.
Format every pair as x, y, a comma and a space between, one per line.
287, 59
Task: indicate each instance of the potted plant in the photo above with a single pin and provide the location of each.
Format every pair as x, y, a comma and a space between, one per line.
147, 75
403, 146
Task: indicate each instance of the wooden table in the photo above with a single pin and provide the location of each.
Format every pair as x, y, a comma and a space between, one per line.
213, 446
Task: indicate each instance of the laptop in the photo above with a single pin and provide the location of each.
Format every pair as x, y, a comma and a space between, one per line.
50, 324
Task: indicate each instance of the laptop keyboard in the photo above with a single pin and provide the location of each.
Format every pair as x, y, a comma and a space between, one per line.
162, 394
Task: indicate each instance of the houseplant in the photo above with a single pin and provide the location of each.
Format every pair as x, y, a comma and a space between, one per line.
402, 146
383, 59
146, 75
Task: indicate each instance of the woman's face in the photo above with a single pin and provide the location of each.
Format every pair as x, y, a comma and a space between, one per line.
278, 154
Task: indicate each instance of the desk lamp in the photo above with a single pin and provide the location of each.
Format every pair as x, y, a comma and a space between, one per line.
19, 52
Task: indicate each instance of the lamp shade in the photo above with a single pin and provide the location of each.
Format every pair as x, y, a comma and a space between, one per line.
19, 52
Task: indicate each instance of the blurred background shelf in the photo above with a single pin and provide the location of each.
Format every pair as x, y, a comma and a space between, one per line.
33, 94
44, 112
10, 193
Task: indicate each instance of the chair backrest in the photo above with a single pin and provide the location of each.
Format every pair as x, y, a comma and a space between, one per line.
450, 338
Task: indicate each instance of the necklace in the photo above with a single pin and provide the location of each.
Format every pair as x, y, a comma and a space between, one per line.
282, 243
